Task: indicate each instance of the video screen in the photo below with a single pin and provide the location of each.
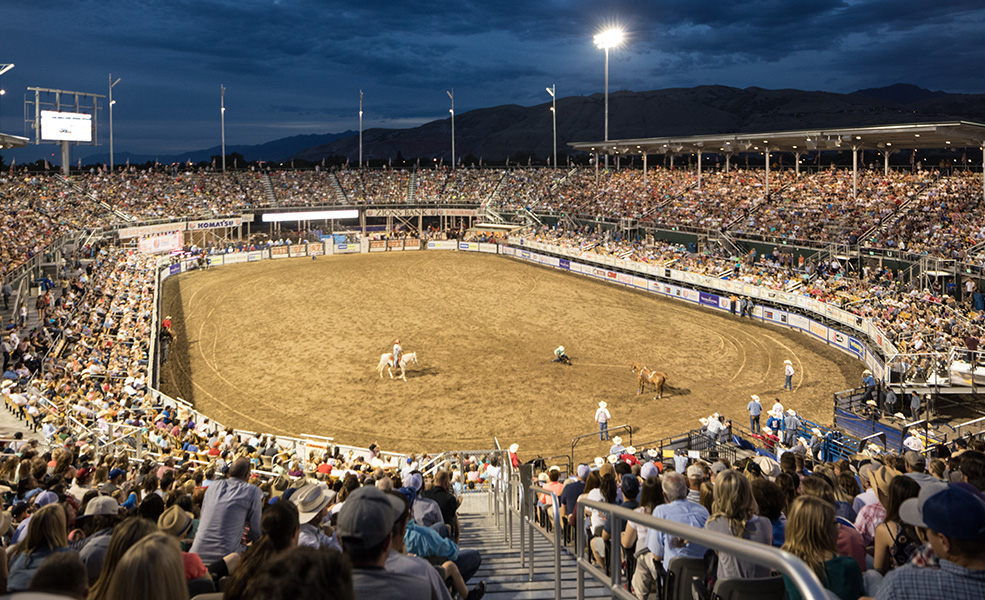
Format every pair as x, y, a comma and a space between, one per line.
65, 126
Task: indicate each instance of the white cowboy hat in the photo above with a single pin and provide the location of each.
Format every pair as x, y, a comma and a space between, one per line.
816, 432
613, 458
652, 453
866, 372
755, 397
791, 411
870, 402
703, 421
602, 404
767, 430
514, 448
617, 441
599, 461
900, 415
803, 441
631, 450
787, 362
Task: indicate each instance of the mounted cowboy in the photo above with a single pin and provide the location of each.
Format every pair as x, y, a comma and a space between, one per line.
397, 351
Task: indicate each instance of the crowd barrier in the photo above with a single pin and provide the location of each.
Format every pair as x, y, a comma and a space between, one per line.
681, 285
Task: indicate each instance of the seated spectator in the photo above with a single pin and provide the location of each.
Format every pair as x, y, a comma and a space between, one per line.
634, 537
304, 573
895, 541
313, 502
280, 527
811, 535
101, 515
733, 513
125, 535
46, 535
441, 494
772, 502
679, 509
365, 526
150, 570
62, 574
955, 520
871, 515
849, 540
177, 522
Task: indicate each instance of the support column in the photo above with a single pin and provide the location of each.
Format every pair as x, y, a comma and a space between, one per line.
767, 155
699, 169
796, 158
671, 162
644, 169
728, 161
886, 154
854, 172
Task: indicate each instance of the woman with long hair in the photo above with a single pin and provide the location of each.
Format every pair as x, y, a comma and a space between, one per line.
896, 541
811, 533
734, 513
151, 569
280, 528
125, 535
46, 534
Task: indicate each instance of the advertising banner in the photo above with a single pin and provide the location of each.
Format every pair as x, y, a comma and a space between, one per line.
395, 244
299, 249
441, 245
316, 248
132, 232
412, 244
234, 257
215, 260
215, 223
159, 244
174, 269
488, 248
707, 299
254, 255
279, 252
346, 248
377, 245
468, 246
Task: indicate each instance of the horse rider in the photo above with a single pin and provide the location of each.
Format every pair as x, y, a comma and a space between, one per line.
397, 352
559, 355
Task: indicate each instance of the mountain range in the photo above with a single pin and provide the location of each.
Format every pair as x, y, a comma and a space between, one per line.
510, 130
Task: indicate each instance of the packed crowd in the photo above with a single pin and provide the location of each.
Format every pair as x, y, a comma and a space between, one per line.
916, 320
883, 525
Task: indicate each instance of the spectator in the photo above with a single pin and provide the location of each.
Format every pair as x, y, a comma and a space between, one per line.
634, 538
872, 515
662, 546
280, 528
177, 522
772, 503
313, 502
229, 504
441, 494
305, 573
811, 537
895, 542
733, 513
61, 574
102, 514
46, 535
366, 526
125, 535
955, 520
150, 570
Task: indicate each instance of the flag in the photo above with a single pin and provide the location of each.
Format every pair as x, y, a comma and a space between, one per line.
213, 162
292, 164
80, 163
128, 162
12, 165
913, 157
235, 163
46, 165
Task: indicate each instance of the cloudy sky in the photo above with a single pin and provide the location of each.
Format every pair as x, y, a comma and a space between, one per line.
296, 66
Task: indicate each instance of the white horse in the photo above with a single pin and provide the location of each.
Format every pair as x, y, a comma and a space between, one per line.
405, 359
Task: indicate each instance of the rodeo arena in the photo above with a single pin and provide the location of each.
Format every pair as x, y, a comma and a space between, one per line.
460, 382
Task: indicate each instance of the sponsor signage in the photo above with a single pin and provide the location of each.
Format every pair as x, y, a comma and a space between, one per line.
159, 244
174, 269
215, 223
565, 264
442, 245
254, 256
279, 252
708, 299
132, 232
298, 249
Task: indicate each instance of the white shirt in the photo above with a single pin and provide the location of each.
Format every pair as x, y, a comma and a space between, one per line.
602, 415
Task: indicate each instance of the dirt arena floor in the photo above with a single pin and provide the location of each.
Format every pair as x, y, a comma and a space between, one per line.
290, 346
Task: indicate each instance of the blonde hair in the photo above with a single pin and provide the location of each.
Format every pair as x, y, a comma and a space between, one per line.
152, 569
811, 533
47, 529
733, 501
125, 536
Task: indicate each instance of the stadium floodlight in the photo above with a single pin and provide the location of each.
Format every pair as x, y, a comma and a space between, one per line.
6, 67
222, 112
609, 38
112, 84
451, 94
360, 129
550, 91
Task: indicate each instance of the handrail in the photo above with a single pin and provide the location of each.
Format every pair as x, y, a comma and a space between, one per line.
530, 505
576, 439
802, 576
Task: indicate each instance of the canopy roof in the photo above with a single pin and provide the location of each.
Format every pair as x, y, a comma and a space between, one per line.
12, 141
881, 137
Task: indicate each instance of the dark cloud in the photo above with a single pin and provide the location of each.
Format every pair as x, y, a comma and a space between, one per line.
294, 64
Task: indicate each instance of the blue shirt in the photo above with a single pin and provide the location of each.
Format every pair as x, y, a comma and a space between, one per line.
755, 408
668, 546
425, 542
228, 506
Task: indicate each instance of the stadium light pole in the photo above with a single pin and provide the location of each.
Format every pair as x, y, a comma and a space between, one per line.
360, 129
222, 116
112, 84
451, 95
610, 38
3, 69
550, 91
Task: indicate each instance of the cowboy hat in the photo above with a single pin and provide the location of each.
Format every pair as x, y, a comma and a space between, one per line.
787, 362
514, 448
617, 441
602, 404
175, 521
599, 461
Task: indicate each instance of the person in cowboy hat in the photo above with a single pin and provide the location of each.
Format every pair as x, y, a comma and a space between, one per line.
314, 501
397, 352
788, 375
616, 447
602, 417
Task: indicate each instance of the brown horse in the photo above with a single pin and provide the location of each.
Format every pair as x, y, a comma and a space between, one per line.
657, 378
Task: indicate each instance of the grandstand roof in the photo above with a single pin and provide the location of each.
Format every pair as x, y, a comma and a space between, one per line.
880, 137
12, 141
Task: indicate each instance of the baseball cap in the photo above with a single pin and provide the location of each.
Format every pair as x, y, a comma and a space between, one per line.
116, 473
415, 481
717, 467
583, 471
102, 505
45, 498
630, 486
649, 470
695, 472
915, 460
367, 517
947, 509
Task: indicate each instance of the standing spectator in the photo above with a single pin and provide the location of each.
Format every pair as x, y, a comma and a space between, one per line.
229, 504
788, 375
869, 382
755, 409
791, 427
733, 513
811, 537
602, 417
914, 406
971, 343
7, 291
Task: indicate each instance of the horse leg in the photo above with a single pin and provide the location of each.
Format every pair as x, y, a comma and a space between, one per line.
389, 370
403, 373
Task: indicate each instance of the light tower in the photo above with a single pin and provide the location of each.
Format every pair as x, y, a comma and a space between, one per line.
610, 38
112, 84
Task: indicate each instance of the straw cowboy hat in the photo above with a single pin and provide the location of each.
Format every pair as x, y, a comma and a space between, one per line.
881, 478
613, 458
755, 397
311, 499
599, 461
631, 450
602, 404
175, 521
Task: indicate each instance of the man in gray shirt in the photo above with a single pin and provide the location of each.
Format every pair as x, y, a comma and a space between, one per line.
229, 505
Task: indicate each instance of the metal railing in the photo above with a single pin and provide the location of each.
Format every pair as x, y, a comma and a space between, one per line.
801, 575
575, 440
532, 499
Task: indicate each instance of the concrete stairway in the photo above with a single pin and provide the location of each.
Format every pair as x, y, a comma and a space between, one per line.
501, 569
